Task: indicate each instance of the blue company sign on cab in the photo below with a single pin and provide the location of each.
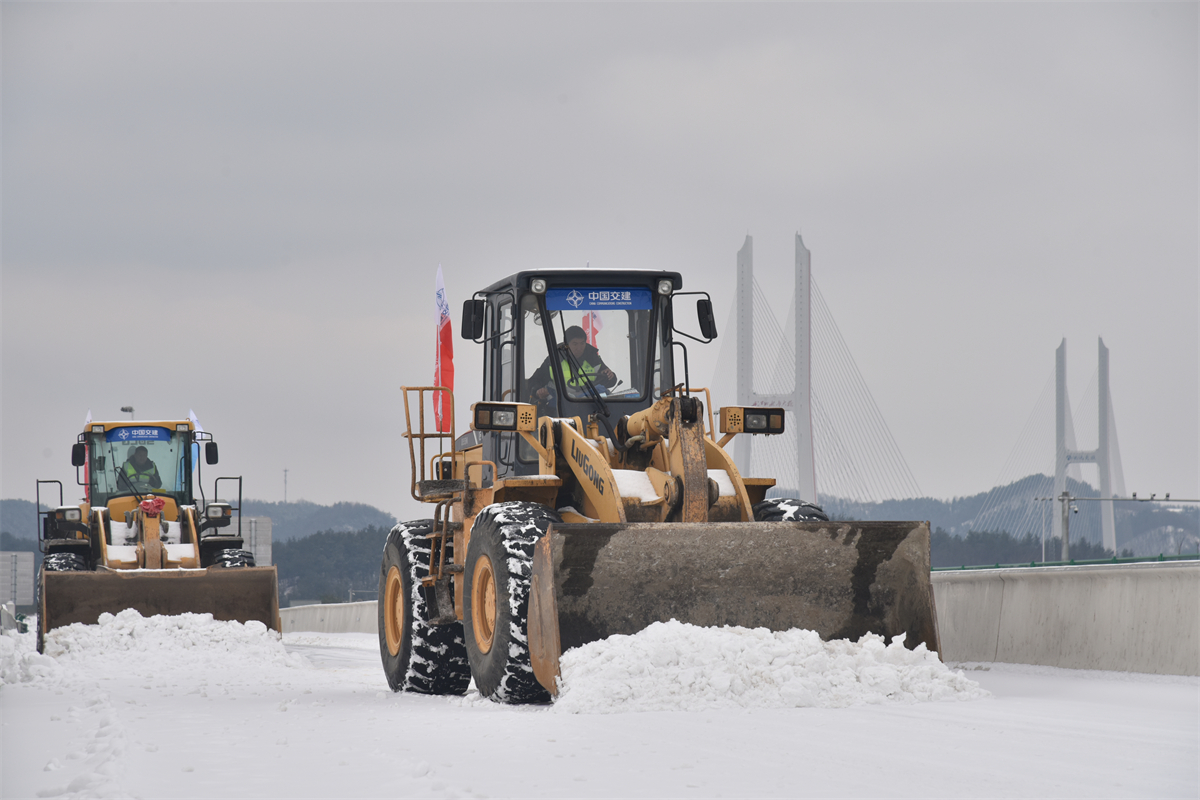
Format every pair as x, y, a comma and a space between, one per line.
586, 298
138, 435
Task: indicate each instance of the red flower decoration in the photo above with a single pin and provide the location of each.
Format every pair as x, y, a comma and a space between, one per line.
152, 506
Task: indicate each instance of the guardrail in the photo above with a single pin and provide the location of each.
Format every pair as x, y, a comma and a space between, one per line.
332, 618
1073, 562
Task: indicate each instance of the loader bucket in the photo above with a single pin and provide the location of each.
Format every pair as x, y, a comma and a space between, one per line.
840, 579
241, 594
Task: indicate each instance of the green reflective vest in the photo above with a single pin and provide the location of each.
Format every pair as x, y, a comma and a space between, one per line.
576, 381
144, 476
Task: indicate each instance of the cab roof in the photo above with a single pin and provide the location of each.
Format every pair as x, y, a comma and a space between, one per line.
172, 424
586, 277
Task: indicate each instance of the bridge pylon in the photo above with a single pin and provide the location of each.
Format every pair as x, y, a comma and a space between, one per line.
1065, 453
798, 403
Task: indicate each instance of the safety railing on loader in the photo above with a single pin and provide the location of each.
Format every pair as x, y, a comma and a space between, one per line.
43, 515
217, 496
438, 486
441, 482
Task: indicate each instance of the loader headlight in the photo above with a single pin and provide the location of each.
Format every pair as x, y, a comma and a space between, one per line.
503, 417
665, 288
537, 286
68, 513
735, 419
218, 511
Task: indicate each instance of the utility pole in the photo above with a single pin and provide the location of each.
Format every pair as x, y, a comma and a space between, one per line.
1066, 525
285, 485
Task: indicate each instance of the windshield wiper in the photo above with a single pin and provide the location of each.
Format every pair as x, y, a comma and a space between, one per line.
592, 393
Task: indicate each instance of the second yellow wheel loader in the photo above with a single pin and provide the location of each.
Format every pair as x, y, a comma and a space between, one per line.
594, 496
140, 540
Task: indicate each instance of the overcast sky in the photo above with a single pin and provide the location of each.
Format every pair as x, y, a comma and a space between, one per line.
240, 209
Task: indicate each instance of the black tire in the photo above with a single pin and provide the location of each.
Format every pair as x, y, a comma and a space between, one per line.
417, 656
501, 552
788, 509
41, 616
64, 562
54, 562
233, 557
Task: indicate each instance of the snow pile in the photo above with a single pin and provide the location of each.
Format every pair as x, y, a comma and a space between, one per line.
673, 666
174, 653
194, 640
20, 662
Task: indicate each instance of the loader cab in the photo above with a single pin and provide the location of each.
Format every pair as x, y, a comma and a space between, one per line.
531, 326
137, 460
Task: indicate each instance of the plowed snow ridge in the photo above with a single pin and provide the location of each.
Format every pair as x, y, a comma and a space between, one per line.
674, 666
176, 653
668, 666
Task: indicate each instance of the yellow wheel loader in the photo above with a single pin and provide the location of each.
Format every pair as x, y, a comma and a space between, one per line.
594, 496
140, 540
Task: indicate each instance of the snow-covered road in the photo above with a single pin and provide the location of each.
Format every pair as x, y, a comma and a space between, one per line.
165, 712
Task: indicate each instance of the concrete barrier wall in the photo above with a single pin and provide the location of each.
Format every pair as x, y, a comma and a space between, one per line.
1121, 617
332, 618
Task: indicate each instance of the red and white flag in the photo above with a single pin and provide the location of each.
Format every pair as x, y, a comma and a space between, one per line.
592, 325
443, 369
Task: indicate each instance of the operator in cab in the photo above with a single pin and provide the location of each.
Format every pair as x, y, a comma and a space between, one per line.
140, 471
591, 367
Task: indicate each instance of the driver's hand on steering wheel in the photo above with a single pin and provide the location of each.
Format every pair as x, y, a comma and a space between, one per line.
542, 393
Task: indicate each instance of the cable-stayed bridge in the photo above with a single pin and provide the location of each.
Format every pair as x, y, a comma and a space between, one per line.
838, 449
836, 442
1047, 459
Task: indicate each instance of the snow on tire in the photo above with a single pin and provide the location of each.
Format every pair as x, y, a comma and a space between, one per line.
64, 562
498, 570
788, 509
417, 656
233, 557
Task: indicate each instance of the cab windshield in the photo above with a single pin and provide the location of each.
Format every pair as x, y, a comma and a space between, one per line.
599, 336
138, 460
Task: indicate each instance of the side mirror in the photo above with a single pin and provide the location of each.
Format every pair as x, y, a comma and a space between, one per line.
78, 454
708, 325
472, 319
210, 452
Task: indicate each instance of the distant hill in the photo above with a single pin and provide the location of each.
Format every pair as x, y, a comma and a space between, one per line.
18, 528
987, 549
19, 517
957, 516
326, 565
302, 518
288, 520
1145, 529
